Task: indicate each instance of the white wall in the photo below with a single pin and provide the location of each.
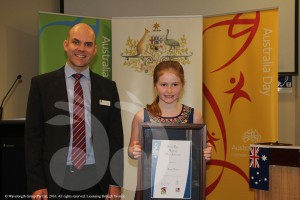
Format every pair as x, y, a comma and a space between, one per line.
19, 50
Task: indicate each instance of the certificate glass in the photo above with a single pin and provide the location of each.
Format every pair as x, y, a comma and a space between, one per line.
172, 164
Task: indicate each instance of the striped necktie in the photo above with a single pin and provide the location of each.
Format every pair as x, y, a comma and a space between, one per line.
79, 140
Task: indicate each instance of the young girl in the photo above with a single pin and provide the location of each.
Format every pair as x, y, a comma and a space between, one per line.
168, 80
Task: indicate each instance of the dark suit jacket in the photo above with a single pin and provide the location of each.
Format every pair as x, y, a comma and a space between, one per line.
47, 131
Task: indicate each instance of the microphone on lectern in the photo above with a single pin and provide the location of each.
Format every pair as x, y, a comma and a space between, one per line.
1, 107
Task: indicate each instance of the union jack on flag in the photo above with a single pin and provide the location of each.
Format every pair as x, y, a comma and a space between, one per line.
254, 158
259, 168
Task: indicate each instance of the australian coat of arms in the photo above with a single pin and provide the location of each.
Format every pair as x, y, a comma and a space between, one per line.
144, 53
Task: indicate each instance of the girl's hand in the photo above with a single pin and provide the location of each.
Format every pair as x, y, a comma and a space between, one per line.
137, 150
207, 152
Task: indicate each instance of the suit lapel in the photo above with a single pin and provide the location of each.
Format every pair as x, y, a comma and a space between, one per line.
93, 98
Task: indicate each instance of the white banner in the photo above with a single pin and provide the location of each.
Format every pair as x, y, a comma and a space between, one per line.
139, 44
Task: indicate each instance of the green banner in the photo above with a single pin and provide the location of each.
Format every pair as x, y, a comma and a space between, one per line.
53, 29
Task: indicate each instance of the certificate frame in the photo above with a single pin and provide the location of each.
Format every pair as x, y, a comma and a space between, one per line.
195, 135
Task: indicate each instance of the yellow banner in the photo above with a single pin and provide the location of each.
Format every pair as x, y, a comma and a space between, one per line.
240, 95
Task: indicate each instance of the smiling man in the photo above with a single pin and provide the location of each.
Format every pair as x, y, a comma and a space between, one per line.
73, 128
80, 47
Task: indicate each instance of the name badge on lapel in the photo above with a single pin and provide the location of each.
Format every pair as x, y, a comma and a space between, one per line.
104, 102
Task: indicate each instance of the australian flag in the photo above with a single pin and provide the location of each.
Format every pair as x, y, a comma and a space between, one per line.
259, 168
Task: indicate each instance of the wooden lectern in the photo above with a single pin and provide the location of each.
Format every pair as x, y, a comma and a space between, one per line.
284, 174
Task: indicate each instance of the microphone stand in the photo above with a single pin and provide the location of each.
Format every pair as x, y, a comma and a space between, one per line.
1, 107
1, 110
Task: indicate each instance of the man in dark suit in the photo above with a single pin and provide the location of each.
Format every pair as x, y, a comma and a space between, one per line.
51, 127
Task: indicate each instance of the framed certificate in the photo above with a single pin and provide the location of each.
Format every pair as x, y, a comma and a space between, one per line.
172, 165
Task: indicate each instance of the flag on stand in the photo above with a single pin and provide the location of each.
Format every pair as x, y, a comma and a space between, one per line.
259, 168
